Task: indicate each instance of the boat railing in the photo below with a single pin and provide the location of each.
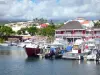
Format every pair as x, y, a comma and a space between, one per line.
71, 54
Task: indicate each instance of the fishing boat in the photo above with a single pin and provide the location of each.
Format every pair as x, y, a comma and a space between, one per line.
21, 44
32, 49
75, 52
94, 52
82, 50
55, 48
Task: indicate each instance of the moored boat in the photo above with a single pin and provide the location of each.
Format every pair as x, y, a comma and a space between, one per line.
31, 48
76, 52
56, 48
32, 52
94, 51
83, 50
6, 43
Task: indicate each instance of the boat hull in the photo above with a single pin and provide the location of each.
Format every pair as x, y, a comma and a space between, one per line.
32, 52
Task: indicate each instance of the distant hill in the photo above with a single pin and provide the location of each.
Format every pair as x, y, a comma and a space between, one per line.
2, 22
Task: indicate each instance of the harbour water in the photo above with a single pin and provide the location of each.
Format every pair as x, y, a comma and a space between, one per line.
14, 61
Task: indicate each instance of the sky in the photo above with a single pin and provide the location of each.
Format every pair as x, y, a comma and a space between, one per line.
49, 9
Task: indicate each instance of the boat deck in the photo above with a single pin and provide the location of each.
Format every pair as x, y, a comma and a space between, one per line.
70, 55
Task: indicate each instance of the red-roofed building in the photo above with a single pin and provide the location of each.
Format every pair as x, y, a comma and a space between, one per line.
44, 25
85, 22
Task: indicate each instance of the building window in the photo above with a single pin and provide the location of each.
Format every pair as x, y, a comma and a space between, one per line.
83, 31
57, 32
73, 32
58, 36
62, 32
94, 32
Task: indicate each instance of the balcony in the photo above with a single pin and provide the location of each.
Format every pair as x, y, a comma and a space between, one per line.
97, 34
76, 35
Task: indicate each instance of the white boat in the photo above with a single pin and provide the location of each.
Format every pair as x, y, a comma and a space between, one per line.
93, 50
82, 50
21, 44
6, 43
77, 51
25, 43
71, 55
55, 48
13, 44
91, 55
32, 48
59, 43
91, 44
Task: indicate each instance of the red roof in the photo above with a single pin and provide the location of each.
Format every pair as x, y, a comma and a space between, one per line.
85, 22
43, 25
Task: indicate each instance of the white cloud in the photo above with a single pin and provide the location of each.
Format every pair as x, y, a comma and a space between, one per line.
28, 9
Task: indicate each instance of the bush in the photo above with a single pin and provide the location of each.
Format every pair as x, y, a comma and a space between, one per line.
2, 40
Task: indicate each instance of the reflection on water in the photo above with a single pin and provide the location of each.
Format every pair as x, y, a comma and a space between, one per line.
12, 51
31, 59
5, 52
13, 61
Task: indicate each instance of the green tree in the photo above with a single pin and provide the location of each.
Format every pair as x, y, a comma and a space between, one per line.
48, 31
2, 40
19, 32
58, 26
40, 20
22, 31
34, 25
52, 25
32, 30
6, 31
97, 24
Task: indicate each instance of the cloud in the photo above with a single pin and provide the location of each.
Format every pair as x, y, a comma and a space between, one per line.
50, 9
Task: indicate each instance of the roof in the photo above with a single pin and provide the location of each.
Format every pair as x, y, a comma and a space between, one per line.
85, 22
97, 28
72, 25
44, 25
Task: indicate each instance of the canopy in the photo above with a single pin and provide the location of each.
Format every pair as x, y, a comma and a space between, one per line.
57, 43
69, 48
53, 49
78, 42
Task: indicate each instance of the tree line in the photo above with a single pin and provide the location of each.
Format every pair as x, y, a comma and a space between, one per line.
48, 31
97, 24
